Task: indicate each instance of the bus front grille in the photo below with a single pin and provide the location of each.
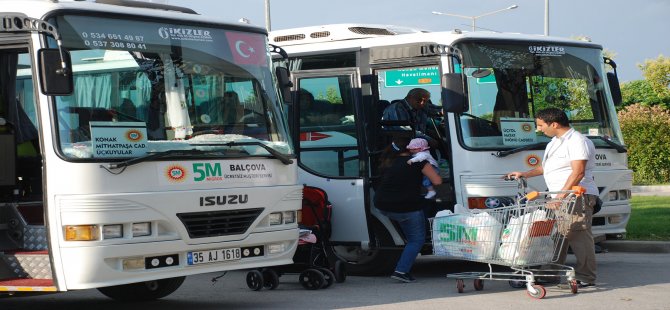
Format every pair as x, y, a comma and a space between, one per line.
218, 223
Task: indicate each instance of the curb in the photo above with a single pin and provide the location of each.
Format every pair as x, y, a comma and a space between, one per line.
637, 246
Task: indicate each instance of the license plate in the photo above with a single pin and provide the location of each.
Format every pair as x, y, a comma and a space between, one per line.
213, 256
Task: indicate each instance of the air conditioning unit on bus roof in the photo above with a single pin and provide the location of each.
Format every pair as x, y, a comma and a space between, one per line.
336, 32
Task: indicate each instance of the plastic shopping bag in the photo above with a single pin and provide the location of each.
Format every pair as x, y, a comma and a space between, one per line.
527, 239
468, 236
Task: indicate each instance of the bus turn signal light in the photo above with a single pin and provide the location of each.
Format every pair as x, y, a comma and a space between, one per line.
81, 232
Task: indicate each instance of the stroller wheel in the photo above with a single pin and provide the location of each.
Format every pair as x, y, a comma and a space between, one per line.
255, 280
270, 279
340, 271
312, 279
329, 276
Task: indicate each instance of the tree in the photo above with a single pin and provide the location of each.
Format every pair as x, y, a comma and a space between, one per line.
646, 130
657, 73
653, 90
640, 91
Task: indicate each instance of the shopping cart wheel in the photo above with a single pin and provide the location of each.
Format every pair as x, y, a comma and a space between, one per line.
574, 288
270, 279
460, 285
538, 292
517, 283
255, 280
329, 276
479, 284
340, 271
312, 279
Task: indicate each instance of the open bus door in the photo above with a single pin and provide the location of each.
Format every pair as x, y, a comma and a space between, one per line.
330, 152
334, 125
24, 253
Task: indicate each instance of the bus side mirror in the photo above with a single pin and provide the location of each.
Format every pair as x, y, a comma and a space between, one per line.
285, 84
54, 80
453, 93
613, 82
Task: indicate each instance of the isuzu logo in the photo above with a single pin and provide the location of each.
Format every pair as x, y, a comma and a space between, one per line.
222, 200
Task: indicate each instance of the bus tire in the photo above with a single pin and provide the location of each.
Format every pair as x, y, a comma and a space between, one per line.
143, 291
372, 262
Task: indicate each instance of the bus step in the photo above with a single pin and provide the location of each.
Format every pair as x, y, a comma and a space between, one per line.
34, 238
27, 285
28, 265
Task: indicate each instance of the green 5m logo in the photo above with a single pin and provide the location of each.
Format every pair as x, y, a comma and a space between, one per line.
207, 172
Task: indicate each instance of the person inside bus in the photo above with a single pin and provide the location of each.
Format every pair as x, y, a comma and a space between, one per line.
127, 110
569, 159
316, 112
398, 196
415, 108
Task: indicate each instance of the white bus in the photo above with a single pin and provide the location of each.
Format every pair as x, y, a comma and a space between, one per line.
488, 84
139, 143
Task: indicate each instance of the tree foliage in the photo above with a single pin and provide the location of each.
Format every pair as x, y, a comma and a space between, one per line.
654, 89
646, 131
640, 91
657, 73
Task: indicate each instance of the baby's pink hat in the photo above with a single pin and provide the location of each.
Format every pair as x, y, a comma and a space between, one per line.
418, 144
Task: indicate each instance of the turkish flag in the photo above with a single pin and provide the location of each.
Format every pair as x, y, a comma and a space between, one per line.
313, 136
247, 48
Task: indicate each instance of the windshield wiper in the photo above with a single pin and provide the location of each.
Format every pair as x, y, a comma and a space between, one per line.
518, 149
618, 147
282, 157
152, 156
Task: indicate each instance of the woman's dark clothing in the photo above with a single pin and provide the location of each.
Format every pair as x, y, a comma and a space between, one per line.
400, 187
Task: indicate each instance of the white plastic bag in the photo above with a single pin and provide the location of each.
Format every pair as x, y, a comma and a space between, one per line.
466, 235
519, 247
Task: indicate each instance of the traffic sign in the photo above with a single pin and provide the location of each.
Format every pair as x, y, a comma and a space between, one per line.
413, 77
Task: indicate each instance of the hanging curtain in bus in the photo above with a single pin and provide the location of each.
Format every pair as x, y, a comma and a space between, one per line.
175, 98
93, 91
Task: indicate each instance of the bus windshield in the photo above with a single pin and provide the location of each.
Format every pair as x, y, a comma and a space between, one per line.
508, 82
144, 87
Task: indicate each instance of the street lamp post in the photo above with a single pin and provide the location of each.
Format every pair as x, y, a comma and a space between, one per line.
546, 17
267, 15
474, 18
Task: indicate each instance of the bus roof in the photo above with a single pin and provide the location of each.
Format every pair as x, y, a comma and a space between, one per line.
44, 8
357, 36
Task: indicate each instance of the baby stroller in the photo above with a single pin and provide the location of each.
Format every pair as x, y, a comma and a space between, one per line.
311, 261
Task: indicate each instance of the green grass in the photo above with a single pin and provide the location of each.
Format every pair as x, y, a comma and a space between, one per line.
649, 219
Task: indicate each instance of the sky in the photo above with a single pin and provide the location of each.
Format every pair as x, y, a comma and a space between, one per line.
635, 30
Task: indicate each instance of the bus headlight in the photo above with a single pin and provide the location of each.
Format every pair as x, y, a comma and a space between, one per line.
624, 194
275, 218
289, 217
141, 229
612, 195
112, 231
616, 219
133, 263
275, 248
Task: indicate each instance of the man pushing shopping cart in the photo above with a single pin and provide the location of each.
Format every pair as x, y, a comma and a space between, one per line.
568, 161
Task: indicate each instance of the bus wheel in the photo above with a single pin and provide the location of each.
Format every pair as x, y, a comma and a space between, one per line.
370, 262
143, 291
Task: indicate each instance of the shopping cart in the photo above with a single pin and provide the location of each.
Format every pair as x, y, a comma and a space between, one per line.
526, 237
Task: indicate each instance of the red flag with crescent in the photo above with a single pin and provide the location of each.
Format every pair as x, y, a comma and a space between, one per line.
313, 136
247, 48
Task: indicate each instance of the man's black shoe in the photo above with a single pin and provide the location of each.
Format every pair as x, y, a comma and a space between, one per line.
581, 284
403, 277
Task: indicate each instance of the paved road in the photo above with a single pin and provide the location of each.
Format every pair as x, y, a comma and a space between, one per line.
627, 281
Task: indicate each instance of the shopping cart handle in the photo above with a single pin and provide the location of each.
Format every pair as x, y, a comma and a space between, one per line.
532, 195
578, 190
